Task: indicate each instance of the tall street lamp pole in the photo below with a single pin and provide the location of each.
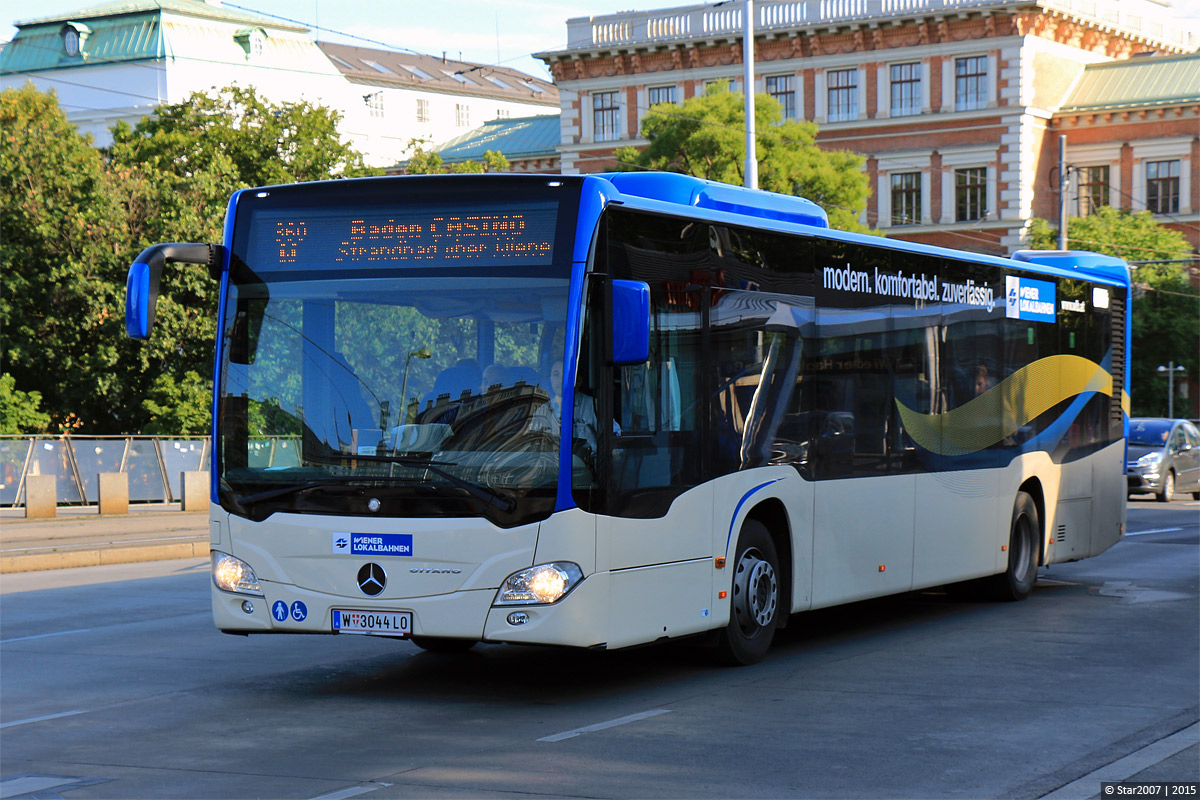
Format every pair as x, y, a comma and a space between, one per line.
1171, 372
422, 353
751, 170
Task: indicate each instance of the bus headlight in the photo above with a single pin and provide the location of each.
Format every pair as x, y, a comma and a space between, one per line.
539, 585
234, 575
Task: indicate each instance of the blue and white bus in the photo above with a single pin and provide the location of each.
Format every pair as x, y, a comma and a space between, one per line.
607, 410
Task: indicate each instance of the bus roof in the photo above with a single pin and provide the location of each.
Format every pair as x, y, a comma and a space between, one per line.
675, 194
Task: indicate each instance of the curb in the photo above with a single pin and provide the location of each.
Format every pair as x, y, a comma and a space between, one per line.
95, 558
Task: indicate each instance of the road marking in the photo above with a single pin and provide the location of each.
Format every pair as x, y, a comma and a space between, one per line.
1156, 530
31, 783
98, 628
1130, 765
353, 791
104, 707
42, 718
599, 726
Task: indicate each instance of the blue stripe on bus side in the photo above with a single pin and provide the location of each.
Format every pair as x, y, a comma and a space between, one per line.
594, 196
741, 503
213, 466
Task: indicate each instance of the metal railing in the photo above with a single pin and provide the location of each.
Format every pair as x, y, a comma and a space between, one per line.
153, 464
1141, 18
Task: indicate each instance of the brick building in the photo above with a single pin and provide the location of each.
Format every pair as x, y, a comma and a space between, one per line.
957, 105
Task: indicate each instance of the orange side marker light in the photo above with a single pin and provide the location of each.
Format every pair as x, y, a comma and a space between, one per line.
883, 567
720, 562
723, 595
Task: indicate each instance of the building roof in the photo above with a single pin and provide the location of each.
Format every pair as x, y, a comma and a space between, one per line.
191, 8
517, 138
430, 73
122, 31
1138, 82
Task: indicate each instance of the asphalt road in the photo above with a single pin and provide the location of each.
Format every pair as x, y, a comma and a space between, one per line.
115, 684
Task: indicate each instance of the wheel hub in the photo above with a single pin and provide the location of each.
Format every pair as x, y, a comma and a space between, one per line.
755, 592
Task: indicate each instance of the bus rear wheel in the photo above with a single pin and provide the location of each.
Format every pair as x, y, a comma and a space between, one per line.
442, 644
1016, 582
754, 598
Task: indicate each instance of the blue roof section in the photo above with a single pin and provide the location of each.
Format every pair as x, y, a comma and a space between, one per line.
520, 137
672, 187
1073, 265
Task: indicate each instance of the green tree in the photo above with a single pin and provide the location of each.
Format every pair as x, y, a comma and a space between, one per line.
62, 257
1166, 307
705, 137
73, 221
20, 412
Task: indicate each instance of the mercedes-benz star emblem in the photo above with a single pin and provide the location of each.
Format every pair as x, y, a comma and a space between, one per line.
371, 579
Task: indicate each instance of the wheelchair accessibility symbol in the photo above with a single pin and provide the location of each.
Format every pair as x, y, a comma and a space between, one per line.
299, 611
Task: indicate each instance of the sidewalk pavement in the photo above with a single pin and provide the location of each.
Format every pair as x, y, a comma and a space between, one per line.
80, 537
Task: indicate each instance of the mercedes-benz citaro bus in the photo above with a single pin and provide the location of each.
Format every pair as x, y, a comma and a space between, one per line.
608, 410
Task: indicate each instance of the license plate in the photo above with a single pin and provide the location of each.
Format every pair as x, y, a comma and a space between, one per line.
383, 623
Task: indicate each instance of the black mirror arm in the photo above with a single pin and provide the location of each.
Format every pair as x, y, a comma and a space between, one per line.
156, 256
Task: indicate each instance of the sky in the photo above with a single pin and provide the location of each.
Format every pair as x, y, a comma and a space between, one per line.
507, 32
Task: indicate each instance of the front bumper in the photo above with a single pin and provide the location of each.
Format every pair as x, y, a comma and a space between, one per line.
1139, 482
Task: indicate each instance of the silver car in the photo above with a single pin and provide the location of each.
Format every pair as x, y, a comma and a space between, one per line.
1163, 457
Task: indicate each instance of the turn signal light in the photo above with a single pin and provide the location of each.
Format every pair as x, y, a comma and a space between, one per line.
720, 562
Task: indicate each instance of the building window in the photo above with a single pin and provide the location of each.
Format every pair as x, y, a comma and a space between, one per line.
605, 117
906, 198
462, 115
970, 194
1162, 186
970, 83
1093, 189
906, 89
843, 94
375, 104
422, 111
782, 88
660, 94
503, 113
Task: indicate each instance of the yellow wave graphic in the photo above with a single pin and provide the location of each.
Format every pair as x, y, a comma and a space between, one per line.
1001, 411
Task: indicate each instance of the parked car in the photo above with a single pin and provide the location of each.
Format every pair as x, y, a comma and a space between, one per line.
1163, 457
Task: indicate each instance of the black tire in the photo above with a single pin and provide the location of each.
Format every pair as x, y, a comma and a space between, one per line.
1025, 532
755, 597
441, 644
1168, 488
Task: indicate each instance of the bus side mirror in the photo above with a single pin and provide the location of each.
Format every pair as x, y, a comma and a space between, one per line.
630, 322
141, 287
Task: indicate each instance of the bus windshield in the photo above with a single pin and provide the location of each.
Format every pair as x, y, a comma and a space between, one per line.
391, 384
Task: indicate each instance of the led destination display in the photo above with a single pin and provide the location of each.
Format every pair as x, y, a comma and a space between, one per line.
476, 237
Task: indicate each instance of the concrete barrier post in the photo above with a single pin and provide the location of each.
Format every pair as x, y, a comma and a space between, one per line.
195, 490
114, 492
41, 496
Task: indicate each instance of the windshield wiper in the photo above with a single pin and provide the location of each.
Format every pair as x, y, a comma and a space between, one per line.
283, 491
476, 490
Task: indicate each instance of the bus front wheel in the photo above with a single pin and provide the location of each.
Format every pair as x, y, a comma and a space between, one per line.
1016, 582
754, 598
